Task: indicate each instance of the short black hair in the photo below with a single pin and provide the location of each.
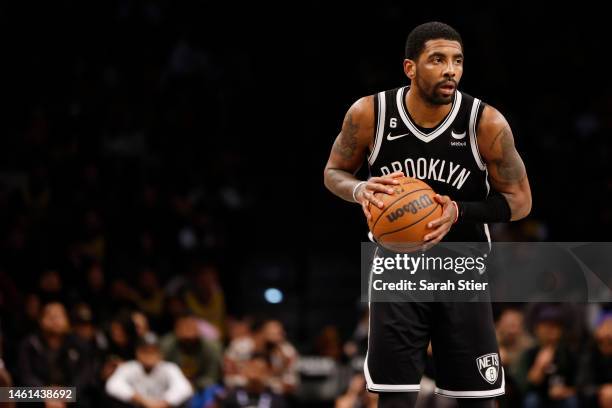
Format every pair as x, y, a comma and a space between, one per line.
415, 43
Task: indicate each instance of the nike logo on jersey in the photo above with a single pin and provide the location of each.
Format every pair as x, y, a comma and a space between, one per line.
389, 137
457, 136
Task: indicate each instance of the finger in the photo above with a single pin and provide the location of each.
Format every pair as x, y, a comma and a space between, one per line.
371, 198
375, 187
396, 174
439, 221
430, 244
443, 229
441, 199
384, 180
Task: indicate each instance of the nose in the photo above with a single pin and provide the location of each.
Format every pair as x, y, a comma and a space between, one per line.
449, 72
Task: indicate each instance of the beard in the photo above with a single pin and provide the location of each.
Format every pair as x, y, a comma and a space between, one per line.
432, 95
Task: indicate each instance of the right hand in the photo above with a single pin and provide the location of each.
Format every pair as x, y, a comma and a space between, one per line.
545, 357
365, 192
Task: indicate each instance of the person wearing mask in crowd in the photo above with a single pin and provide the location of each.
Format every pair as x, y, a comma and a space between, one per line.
198, 358
548, 370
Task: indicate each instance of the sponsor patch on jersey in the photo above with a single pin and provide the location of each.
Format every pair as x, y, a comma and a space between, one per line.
488, 367
457, 136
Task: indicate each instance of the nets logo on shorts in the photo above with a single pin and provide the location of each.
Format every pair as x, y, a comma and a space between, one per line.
488, 366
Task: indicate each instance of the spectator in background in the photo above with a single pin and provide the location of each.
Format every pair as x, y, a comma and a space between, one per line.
513, 342
238, 327
205, 297
512, 337
84, 328
595, 374
357, 396
547, 370
149, 381
53, 356
198, 358
141, 323
256, 390
328, 343
148, 297
122, 337
95, 291
268, 340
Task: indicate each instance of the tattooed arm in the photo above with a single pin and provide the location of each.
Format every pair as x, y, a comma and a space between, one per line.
506, 169
347, 156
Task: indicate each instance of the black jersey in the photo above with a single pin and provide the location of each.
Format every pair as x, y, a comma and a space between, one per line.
446, 157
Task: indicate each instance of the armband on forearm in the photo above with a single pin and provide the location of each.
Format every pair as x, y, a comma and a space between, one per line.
494, 208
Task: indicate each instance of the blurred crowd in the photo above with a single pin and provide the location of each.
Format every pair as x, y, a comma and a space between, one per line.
180, 350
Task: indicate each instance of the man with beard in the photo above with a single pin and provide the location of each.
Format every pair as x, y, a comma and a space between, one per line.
465, 151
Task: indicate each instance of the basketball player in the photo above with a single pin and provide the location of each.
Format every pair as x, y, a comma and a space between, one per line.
464, 149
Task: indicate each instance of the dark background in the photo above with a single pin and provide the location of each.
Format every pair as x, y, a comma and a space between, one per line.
142, 122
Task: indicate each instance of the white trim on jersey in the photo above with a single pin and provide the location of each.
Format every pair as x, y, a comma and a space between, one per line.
371, 385
380, 129
487, 233
427, 137
475, 394
473, 143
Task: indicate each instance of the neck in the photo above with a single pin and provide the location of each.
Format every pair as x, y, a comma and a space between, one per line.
422, 112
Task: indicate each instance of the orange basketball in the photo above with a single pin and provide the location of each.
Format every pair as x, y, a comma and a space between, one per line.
401, 224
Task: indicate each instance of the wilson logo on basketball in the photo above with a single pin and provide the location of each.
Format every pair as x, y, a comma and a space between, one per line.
412, 207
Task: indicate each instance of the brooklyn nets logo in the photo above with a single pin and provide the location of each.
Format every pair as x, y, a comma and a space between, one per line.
488, 367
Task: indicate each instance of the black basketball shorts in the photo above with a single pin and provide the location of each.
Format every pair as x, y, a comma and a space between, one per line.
465, 352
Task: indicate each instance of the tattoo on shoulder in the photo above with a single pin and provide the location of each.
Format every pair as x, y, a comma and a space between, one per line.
347, 142
501, 132
510, 166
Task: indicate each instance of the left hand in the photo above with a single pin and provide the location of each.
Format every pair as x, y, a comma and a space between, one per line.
443, 224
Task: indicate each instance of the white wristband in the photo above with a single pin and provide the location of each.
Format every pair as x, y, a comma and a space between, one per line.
355, 189
456, 210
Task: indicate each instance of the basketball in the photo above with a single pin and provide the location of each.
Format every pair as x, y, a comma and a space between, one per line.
402, 223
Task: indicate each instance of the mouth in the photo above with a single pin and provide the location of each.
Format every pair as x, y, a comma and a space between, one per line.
448, 88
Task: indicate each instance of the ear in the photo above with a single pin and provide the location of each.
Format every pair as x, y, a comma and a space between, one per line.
410, 68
